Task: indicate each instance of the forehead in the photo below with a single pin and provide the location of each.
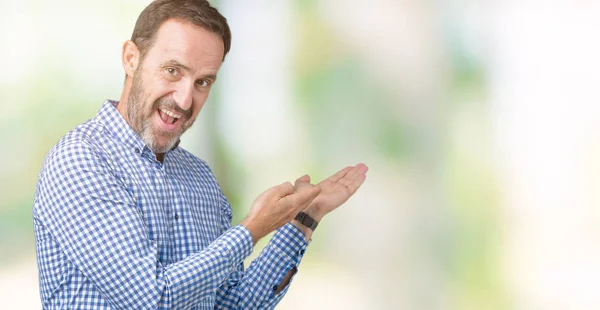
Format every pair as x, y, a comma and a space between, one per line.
189, 43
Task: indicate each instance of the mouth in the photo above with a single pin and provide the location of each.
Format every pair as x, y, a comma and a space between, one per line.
169, 120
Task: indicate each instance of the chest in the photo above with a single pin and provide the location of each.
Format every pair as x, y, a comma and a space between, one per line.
180, 208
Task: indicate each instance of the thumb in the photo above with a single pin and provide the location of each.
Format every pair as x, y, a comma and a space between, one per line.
308, 194
283, 189
302, 181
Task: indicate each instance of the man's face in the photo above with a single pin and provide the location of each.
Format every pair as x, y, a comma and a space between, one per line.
172, 82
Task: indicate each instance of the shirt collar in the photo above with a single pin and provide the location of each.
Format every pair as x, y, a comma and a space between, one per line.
112, 120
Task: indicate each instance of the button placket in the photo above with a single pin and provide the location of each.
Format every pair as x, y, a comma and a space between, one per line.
172, 190
170, 214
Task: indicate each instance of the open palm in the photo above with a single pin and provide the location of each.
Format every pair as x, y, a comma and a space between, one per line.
336, 189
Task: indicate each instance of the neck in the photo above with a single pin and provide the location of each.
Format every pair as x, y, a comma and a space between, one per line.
122, 108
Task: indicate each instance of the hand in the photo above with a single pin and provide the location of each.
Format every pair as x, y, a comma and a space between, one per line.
335, 190
277, 206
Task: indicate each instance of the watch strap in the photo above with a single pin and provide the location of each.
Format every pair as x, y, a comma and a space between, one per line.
306, 220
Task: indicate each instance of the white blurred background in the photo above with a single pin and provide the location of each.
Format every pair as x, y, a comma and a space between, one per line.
479, 120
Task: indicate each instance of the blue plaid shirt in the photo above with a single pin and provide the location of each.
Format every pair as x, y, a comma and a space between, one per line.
116, 229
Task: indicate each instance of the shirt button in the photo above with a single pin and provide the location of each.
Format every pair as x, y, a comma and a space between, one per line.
274, 287
302, 252
176, 216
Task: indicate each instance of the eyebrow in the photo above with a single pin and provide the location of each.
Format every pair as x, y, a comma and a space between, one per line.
176, 63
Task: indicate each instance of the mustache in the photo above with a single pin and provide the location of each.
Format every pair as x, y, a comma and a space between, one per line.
169, 104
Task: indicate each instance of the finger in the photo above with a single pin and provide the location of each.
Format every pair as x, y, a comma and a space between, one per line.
302, 180
349, 176
356, 183
302, 198
340, 174
357, 170
363, 168
283, 189
354, 178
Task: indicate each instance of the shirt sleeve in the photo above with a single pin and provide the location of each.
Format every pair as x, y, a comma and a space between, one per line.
255, 287
94, 219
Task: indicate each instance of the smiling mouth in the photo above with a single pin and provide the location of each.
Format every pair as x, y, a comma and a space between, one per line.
169, 117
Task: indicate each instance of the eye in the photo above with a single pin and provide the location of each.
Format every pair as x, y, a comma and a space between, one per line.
172, 71
203, 83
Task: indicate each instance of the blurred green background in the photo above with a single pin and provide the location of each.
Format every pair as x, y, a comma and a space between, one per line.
479, 122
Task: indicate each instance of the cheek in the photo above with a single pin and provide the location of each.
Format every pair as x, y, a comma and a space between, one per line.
198, 105
192, 118
157, 90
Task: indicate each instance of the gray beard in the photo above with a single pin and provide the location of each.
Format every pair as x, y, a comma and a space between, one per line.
150, 140
140, 122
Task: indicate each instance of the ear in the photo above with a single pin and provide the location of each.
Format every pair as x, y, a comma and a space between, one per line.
130, 57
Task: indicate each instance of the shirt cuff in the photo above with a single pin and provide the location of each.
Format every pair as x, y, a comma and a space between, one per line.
238, 242
290, 241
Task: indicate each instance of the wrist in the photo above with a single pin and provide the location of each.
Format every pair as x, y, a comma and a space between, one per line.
307, 231
254, 232
314, 212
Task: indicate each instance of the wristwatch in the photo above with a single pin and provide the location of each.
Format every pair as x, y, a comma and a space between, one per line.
306, 220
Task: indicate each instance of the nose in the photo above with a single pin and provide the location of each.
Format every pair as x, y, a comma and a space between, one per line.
183, 95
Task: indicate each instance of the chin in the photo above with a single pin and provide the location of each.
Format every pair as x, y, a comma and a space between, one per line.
164, 147
157, 143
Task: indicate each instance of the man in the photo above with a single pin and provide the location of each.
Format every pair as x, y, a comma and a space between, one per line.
124, 218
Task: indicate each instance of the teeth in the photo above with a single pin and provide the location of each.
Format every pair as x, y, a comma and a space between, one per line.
171, 114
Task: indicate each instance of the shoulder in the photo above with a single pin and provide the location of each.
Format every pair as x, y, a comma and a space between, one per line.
76, 170
79, 147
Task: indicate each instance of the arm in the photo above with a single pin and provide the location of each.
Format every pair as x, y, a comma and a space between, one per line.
95, 221
267, 279
265, 282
